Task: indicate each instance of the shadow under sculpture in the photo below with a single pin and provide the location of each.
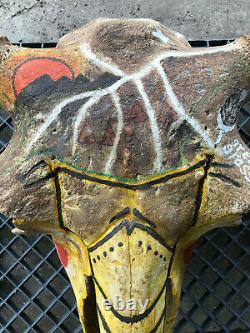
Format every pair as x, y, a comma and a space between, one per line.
126, 151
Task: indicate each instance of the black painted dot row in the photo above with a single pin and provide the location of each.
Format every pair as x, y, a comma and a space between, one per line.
111, 249
149, 248
156, 253
120, 244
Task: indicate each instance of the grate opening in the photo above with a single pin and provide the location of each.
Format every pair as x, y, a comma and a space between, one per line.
35, 295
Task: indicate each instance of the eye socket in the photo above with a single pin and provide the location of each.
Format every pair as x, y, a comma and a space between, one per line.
243, 122
6, 129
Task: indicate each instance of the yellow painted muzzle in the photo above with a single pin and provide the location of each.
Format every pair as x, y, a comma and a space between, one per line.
128, 269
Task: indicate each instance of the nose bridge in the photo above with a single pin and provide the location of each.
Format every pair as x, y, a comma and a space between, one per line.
130, 264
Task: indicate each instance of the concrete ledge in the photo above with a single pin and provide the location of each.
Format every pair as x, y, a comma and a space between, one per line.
46, 21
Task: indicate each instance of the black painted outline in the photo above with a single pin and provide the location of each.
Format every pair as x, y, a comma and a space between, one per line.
159, 321
32, 169
108, 236
112, 183
40, 180
210, 163
91, 320
222, 165
169, 282
104, 323
136, 318
107, 329
153, 234
225, 179
140, 216
130, 226
119, 215
37, 58
23, 177
171, 261
58, 200
199, 196
136, 213
133, 187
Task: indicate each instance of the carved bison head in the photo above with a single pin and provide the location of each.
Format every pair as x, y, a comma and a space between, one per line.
126, 151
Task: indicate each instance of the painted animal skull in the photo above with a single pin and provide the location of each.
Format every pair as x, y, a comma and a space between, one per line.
126, 151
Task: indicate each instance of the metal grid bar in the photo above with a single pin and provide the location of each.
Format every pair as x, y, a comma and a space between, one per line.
35, 295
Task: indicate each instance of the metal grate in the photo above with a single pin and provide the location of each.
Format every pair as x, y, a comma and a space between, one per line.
35, 295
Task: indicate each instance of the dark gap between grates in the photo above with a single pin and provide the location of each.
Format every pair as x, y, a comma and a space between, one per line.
35, 295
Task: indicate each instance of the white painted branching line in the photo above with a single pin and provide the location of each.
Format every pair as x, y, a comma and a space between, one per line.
170, 53
178, 107
93, 100
54, 114
81, 116
198, 52
111, 90
85, 49
120, 123
96, 95
163, 38
153, 124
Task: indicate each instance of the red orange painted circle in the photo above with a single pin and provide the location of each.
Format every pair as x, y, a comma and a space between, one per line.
33, 68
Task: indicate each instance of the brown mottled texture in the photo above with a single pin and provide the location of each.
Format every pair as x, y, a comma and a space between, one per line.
109, 39
126, 151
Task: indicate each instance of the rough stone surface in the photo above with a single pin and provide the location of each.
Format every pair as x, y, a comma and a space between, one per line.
46, 21
126, 150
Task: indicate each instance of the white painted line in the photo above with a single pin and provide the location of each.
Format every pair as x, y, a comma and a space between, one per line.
154, 125
85, 49
199, 52
178, 107
97, 94
113, 154
163, 38
171, 53
95, 99
54, 114
81, 117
